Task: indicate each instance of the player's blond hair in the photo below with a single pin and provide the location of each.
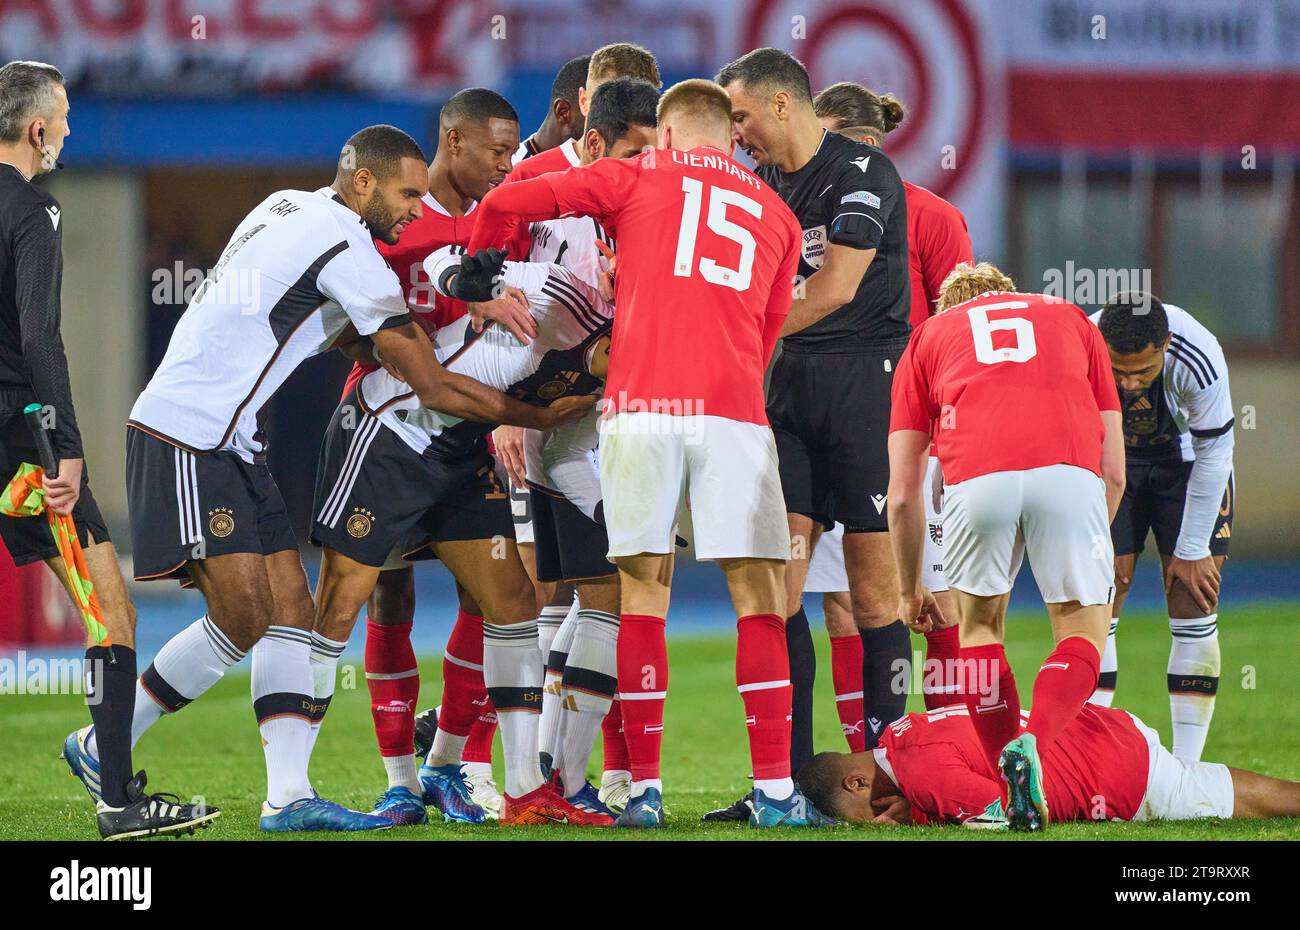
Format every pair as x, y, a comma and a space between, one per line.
622, 59
967, 281
700, 102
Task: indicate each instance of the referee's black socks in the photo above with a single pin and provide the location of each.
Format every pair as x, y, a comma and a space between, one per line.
883, 649
803, 670
111, 699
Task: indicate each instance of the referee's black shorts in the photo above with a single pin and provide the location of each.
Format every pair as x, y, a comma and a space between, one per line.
830, 414
28, 539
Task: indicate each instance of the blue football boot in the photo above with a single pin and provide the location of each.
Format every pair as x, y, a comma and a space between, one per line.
81, 763
315, 813
402, 806
645, 811
794, 811
444, 788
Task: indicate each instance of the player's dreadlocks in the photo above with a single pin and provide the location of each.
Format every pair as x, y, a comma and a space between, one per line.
1134, 321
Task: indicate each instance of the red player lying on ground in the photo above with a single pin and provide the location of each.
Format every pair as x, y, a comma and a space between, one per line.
1106, 764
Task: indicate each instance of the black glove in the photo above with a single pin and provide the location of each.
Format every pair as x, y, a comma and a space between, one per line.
478, 278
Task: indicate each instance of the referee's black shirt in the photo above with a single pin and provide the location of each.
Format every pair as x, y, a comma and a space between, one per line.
850, 193
33, 366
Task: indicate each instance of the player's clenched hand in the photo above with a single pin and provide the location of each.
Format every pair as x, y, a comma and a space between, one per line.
920, 612
570, 409
63, 492
1199, 576
508, 441
509, 310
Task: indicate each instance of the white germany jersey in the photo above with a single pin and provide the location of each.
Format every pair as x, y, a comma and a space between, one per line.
298, 268
571, 317
570, 241
1189, 399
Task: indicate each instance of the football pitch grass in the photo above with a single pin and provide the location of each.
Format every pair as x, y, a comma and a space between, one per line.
212, 746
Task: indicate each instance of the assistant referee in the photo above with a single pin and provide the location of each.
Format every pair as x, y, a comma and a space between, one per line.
828, 400
34, 368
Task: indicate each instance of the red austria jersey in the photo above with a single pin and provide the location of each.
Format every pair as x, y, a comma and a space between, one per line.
1010, 382
707, 256
1095, 770
937, 242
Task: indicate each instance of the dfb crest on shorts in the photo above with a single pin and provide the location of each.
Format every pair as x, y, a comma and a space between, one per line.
221, 522
359, 523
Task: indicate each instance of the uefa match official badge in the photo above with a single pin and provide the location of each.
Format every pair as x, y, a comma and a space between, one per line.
359, 523
221, 522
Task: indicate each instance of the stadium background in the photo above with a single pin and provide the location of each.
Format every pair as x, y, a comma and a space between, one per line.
1161, 140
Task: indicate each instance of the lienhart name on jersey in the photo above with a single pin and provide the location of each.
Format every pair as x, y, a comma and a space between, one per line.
717, 163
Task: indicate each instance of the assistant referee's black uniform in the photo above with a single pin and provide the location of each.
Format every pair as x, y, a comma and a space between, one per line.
33, 365
828, 399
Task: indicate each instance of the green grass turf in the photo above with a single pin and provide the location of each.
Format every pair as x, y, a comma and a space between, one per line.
212, 746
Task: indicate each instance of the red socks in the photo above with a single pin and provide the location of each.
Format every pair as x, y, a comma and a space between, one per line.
463, 691
642, 687
763, 677
478, 748
941, 680
846, 676
1065, 681
394, 684
991, 698
614, 740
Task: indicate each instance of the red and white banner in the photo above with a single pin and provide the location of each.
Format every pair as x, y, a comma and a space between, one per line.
1162, 75
229, 47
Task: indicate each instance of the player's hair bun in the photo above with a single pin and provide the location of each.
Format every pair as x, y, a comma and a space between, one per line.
892, 111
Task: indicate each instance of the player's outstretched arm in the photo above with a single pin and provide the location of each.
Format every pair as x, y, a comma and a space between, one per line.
505, 207
1256, 795
407, 348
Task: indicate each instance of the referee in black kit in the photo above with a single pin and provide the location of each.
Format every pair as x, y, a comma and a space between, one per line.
828, 400
34, 369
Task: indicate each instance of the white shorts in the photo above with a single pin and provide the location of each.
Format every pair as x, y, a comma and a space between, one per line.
826, 572
1055, 514
1181, 790
650, 461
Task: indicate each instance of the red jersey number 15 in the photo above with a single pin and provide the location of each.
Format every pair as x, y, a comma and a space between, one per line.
684, 265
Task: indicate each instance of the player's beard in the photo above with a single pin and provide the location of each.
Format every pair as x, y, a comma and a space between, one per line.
380, 220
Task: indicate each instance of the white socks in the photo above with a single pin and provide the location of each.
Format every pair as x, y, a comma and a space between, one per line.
548, 624
512, 672
286, 710
446, 749
324, 670
778, 789
1108, 672
556, 658
1193, 682
401, 773
589, 683
190, 663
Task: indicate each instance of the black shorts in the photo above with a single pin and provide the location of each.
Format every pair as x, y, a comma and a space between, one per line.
187, 506
375, 493
1153, 501
28, 539
570, 545
830, 415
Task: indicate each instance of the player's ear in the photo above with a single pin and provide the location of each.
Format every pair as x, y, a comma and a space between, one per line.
582, 100
781, 104
563, 112
856, 782
454, 141
595, 144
